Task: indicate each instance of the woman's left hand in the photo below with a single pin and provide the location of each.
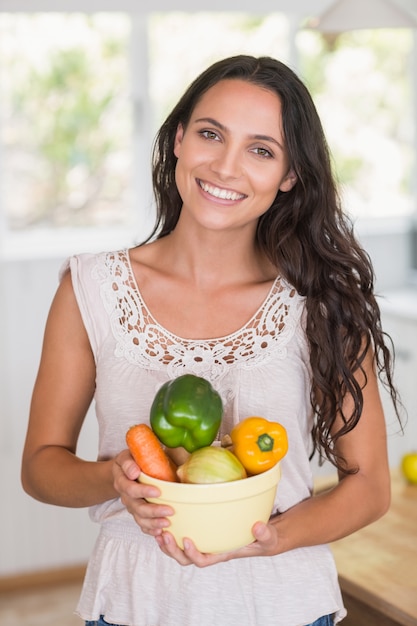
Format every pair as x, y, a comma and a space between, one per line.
265, 544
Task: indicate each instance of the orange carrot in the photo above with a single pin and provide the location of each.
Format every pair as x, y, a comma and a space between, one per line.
149, 454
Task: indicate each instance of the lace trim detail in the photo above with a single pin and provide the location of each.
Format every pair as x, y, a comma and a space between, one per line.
142, 341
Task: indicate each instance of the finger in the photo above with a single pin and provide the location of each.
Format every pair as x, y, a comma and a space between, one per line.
152, 518
261, 532
169, 546
124, 463
151, 526
201, 559
154, 512
205, 559
138, 491
266, 538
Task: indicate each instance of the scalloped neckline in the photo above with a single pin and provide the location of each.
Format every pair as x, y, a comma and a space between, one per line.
223, 338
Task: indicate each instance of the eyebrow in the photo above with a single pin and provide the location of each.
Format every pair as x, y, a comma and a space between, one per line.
213, 122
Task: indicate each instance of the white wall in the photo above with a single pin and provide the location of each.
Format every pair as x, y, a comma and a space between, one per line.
388, 244
32, 535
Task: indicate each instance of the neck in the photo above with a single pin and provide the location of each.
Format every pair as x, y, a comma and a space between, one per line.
212, 258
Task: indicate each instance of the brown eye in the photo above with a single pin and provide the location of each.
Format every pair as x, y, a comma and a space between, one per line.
209, 134
263, 152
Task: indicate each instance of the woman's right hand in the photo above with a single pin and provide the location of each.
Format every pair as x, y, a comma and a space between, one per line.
151, 518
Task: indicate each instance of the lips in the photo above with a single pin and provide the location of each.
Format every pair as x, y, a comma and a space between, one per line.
218, 192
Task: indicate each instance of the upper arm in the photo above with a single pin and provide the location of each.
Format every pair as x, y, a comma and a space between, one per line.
65, 382
365, 447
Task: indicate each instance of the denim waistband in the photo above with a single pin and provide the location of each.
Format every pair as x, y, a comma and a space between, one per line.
326, 620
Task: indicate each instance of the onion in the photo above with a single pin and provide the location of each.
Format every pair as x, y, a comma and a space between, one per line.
211, 464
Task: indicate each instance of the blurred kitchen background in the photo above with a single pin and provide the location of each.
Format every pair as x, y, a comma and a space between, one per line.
83, 87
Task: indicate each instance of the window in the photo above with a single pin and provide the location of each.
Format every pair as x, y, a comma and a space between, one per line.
66, 120
82, 95
75, 124
184, 44
362, 85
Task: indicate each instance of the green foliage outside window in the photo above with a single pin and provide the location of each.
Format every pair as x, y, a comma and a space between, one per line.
67, 121
67, 131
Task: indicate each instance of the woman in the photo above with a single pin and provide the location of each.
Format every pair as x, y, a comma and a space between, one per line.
252, 279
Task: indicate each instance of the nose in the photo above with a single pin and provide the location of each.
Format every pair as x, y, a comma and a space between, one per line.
228, 163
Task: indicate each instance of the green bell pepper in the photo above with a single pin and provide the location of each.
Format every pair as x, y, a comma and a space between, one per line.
186, 412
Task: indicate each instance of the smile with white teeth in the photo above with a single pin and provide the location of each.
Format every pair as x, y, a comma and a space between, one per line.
223, 194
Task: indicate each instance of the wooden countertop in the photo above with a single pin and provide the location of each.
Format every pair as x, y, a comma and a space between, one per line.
378, 565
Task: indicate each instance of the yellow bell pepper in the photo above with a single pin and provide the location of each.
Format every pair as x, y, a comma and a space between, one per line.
259, 444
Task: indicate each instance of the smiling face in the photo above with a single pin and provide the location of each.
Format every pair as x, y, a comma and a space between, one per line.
231, 156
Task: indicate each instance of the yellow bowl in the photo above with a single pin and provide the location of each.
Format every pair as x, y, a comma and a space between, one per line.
217, 517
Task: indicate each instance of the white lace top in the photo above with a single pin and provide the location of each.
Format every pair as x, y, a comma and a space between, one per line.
261, 369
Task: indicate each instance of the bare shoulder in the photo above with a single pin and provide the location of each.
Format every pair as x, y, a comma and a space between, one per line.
64, 318
64, 301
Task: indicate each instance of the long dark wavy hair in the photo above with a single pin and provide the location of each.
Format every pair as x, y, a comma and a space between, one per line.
308, 238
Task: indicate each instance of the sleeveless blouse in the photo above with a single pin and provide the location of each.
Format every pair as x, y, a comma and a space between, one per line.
261, 369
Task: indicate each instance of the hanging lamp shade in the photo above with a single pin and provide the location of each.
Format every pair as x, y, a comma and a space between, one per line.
344, 15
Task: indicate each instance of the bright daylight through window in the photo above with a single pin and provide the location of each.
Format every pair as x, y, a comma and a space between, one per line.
67, 118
